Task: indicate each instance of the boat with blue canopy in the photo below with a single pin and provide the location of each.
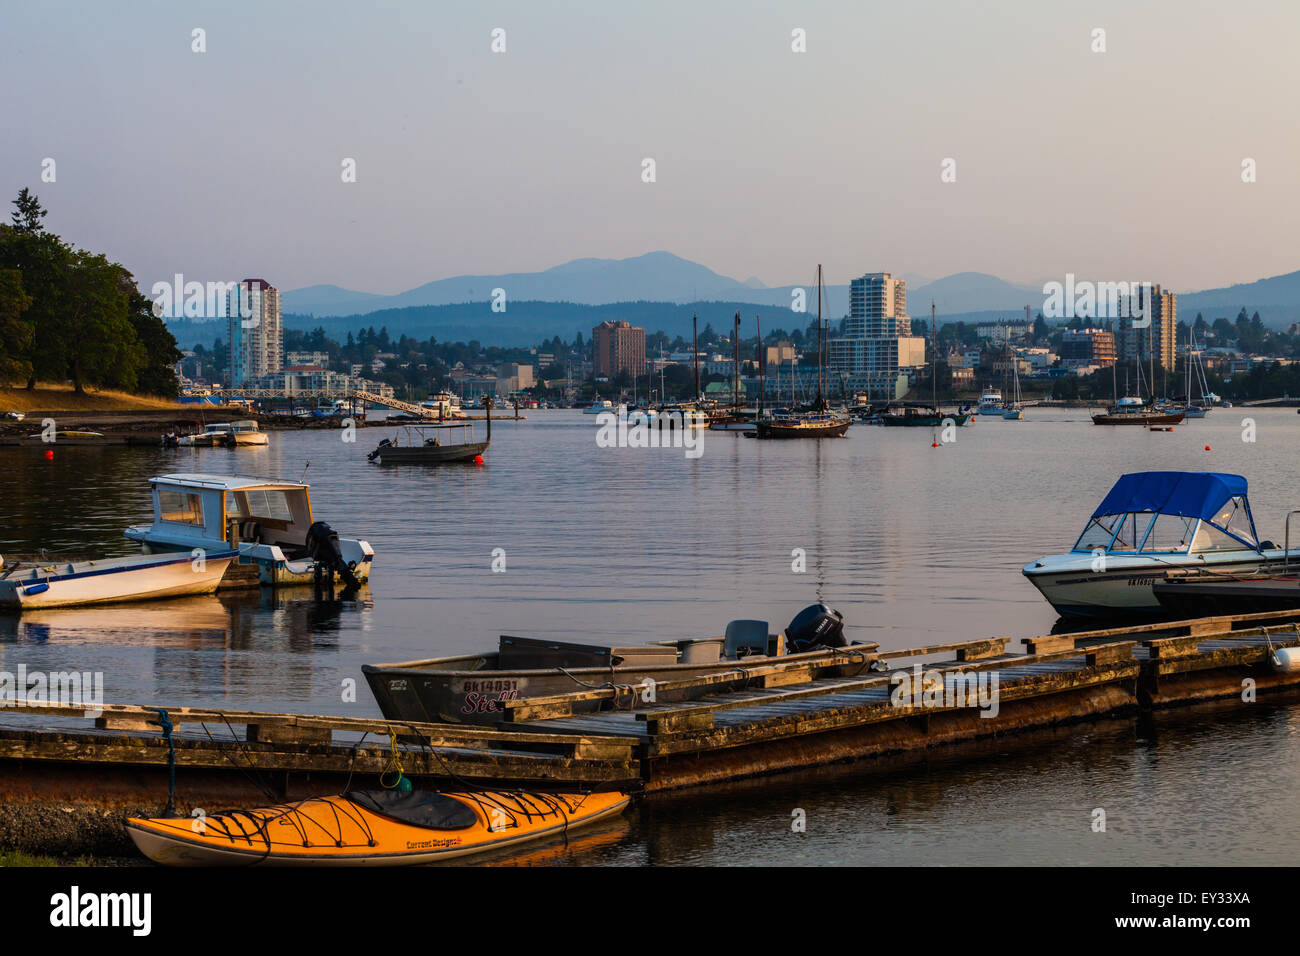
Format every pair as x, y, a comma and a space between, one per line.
1153, 525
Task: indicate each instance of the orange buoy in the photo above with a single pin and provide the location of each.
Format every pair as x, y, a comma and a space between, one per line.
478, 459
1207, 447
49, 454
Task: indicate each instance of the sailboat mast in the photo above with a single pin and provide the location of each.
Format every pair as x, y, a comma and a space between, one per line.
819, 334
762, 362
695, 353
934, 359
735, 347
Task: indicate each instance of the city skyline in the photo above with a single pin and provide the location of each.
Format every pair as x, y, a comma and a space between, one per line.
472, 161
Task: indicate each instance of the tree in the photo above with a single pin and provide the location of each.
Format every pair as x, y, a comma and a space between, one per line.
27, 218
15, 331
157, 376
106, 351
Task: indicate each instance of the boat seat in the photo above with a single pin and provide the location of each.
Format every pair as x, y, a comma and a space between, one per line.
745, 638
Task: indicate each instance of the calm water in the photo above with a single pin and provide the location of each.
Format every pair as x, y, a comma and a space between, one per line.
911, 543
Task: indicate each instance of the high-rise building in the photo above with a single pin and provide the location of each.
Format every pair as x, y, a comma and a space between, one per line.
875, 351
255, 335
1155, 340
618, 346
1087, 347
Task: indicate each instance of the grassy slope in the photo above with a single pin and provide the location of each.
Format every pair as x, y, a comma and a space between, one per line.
61, 398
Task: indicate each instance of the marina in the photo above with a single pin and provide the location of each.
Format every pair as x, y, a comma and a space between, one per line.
709, 727
759, 723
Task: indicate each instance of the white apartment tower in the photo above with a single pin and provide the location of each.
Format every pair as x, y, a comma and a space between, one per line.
256, 337
875, 347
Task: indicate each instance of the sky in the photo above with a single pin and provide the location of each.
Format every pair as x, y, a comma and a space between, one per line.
228, 163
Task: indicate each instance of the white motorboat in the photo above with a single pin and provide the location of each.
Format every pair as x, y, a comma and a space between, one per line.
139, 577
443, 405
1153, 525
226, 434
598, 406
991, 403
268, 520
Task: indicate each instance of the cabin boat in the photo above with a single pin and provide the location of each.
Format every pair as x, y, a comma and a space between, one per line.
599, 406
466, 688
335, 409
1131, 410
138, 577
990, 403
226, 435
921, 416
820, 422
269, 521
443, 405
429, 444
1151, 526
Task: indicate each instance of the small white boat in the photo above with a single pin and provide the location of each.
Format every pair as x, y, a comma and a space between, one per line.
268, 520
139, 577
991, 403
226, 434
15, 416
598, 406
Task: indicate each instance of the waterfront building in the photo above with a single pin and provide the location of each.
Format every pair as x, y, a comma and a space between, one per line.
1080, 347
1156, 341
618, 346
254, 332
875, 351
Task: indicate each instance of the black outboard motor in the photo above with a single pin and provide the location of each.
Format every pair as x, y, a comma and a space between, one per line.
815, 626
323, 548
383, 443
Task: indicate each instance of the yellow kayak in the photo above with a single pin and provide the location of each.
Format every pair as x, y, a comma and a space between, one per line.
369, 827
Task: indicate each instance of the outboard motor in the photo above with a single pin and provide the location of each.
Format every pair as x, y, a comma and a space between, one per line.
323, 548
383, 443
815, 626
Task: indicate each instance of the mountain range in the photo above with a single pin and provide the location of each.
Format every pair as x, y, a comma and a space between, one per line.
661, 291
653, 277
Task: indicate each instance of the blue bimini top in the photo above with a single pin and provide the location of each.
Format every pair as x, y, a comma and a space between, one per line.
1192, 494
1217, 499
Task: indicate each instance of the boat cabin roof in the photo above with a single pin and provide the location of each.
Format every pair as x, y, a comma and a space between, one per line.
223, 482
1172, 512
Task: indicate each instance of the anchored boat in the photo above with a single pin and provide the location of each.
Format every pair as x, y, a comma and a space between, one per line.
466, 688
222, 434
425, 444
1150, 526
139, 577
370, 828
270, 523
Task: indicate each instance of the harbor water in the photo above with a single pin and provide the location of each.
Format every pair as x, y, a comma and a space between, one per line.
556, 537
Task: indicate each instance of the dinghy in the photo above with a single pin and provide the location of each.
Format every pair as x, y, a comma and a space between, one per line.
370, 828
111, 580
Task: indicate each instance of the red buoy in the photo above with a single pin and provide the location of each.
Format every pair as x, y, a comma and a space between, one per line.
1207, 447
49, 454
478, 459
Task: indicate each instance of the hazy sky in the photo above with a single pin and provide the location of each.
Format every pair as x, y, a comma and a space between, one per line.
227, 164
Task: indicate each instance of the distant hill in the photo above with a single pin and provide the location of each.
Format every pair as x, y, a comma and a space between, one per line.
653, 277
659, 290
1277, 300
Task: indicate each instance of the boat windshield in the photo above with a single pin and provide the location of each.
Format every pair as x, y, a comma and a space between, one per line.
1172, 513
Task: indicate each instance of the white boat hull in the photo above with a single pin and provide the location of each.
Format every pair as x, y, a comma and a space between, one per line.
1075, 589
114, 580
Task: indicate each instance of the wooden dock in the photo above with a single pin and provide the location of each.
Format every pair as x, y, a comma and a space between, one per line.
76, 783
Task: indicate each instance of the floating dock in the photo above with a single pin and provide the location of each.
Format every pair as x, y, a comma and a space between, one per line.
67, 788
